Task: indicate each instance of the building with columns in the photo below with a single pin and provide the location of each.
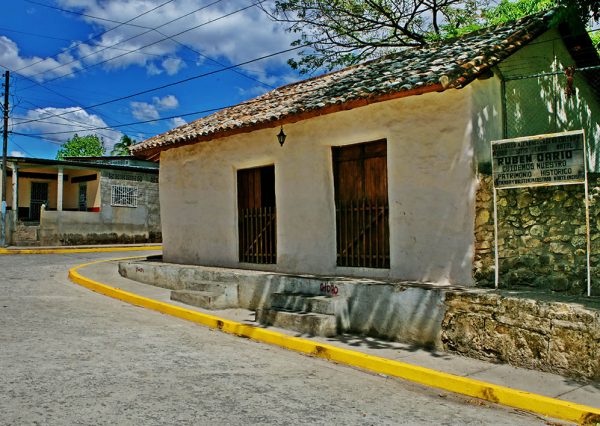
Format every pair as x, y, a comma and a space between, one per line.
89, 200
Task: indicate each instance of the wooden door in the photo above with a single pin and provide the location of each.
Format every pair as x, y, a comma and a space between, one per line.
257, 224
361, 200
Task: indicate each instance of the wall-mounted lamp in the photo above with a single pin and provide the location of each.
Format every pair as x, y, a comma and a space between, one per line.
281, 136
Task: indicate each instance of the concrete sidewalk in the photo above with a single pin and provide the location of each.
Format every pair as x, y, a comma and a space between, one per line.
540, 383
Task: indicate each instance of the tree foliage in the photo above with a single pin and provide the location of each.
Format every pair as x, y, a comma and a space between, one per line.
122, 147
344, 32
82, 146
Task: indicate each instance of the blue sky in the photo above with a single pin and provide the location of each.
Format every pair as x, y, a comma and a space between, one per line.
62, 63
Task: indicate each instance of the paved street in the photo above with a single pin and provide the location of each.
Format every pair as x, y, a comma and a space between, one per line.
71, 356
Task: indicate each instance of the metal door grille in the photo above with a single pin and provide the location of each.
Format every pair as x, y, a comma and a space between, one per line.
362, 233
257, 235
39, 196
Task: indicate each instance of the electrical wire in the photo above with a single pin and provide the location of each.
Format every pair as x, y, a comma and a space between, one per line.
131, 51
262, 100
97, 35
65, 97
139, 35
185, 80
10, 30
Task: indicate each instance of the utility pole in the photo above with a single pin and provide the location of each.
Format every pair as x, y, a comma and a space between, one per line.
4, 149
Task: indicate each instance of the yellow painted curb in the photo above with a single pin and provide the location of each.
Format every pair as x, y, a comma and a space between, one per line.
539, 404
77, 250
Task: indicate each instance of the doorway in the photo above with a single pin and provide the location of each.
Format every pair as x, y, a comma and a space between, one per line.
39, 196
83, 197
257, 216
361, 203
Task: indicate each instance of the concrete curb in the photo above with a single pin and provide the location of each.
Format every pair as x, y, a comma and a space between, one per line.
76, 250
514, 398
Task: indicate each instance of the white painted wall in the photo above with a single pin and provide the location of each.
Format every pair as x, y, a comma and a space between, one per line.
431, 190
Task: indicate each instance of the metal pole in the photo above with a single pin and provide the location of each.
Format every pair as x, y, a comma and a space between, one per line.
496, 254
587, 219
4, 149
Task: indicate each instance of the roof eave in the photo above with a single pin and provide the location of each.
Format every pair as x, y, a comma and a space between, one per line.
152, 153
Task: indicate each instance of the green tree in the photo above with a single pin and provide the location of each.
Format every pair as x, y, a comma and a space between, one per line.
122, 147
344, 32
82, 146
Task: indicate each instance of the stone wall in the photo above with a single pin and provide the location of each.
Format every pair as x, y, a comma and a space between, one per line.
556, 337
541, 237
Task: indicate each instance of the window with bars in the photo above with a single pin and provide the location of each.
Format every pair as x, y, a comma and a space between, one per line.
123, 196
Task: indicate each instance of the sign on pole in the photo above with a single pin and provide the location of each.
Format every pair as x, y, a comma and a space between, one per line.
543, 160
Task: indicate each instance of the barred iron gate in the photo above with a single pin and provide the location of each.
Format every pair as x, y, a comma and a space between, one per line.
361, 200
39, 196
257, 215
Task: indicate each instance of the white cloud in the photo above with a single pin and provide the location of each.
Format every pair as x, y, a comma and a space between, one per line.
167, 102
252, 91
35, 67
177, 121
73, 121
152, 69
173, 65
16, 154
225, 38
144, 111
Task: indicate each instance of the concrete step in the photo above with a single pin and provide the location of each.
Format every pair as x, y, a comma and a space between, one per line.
304, 322
202, 299
299, 302
217, 286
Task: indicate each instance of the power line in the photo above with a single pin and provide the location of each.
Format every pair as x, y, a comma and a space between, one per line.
69, 122
97, 35
63, 96
69, 40
49, 6
131, 51
185, 80
255, 101
138, 35
38, 138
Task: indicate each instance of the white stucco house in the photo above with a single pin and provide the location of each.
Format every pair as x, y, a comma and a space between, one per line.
378, 174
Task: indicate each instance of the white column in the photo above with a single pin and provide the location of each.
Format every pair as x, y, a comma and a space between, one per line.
59, 190
15, 194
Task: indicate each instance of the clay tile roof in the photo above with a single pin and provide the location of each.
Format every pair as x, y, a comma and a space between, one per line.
437, 67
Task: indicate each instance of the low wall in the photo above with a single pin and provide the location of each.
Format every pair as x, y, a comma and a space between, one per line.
557, 337
74, 228
525, 330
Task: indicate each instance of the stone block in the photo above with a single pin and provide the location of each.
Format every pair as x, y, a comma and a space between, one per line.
579, 241
535, 211
483, 217
537, 231
559, 248
524, 200
575, 353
